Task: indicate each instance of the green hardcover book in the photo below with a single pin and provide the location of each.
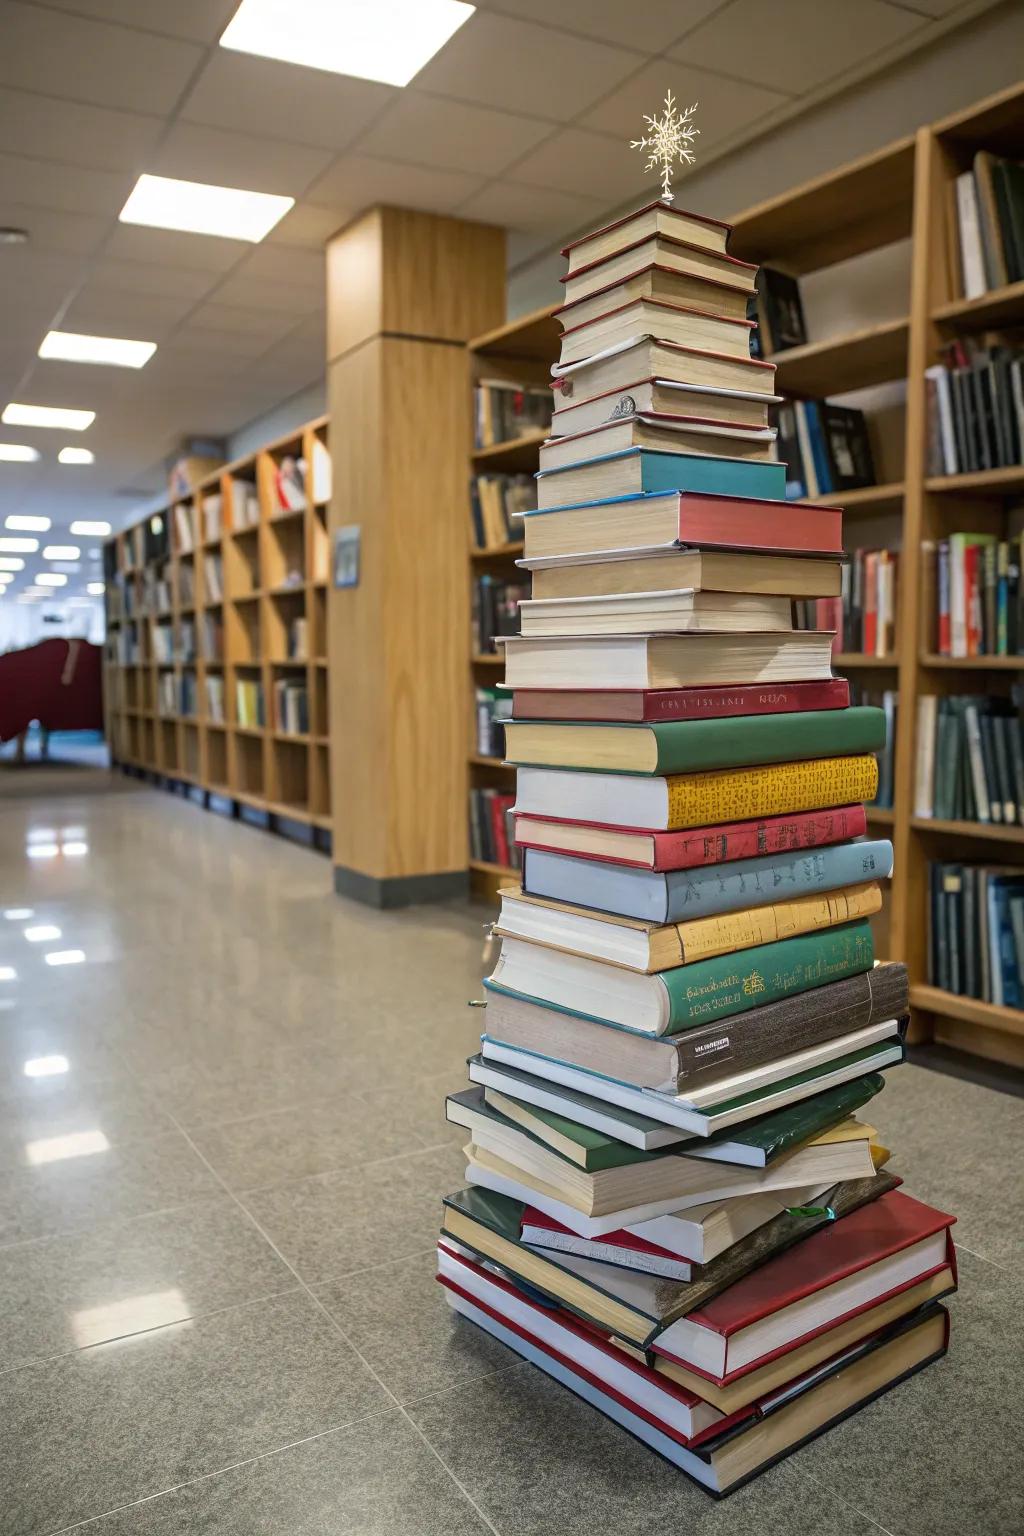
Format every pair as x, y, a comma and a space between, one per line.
636, 1306
694, 746
669, 1001
577, 1143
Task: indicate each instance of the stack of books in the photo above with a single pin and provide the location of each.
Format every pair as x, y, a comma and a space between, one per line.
677, 1205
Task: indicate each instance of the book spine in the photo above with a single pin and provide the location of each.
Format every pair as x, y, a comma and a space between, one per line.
977, 764
727, 931
730, 984
734, 887
695, 704
698, 745
740, 794
755, 839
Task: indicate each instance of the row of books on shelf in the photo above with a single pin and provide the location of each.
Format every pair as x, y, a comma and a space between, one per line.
504, 411
495, 610
493, 708
975, 408
213, 578
986, 214
494, 504
215, 699
176, 693
978, 596
291, 706
863, 615
970, 759
489, 840
156, 589
976, 931
249, 709
825, 448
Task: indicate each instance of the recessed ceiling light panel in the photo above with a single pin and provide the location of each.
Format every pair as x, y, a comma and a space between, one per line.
51, 579
61, 552
84, 528
19, 546
70, 347
18, 453
76, 456
201, 209
21, 523
386, 40
16, 415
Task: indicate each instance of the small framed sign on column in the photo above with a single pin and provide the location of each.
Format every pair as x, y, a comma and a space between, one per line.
346, 556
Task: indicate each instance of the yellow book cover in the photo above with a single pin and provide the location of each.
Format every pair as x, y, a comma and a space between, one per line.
773, 789
727, 931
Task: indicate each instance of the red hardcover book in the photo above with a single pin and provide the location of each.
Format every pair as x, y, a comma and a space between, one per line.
699, 845
742, 522
828, 614
972, 590
875, 1252
649, 705
497, 806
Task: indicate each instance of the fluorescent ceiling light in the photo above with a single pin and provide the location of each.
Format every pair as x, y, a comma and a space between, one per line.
201, 209
388, 40
65, 957
16, 415
8, 973
71, 347
11, 563
84, 528
74, 850
51, 579
95, 588
76, 456
27, 524
18, 453
46, 1066
61, 552
18, 914
19, 546
40, 932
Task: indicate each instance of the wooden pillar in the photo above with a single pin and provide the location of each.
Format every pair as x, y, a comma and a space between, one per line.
405, 292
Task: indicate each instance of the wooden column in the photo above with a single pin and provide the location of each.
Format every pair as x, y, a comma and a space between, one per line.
405, 291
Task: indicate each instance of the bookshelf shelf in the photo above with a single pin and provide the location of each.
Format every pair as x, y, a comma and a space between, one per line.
871, 498
479, 761
855, 659
969, 1009
503, 871
881, 815
499, 552
1001, 306
985, 482
974, 663
517, 456
483, 659
873, 355
989, 831
235, 593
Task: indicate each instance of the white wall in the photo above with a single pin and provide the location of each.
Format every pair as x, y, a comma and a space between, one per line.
980, 58
22, 624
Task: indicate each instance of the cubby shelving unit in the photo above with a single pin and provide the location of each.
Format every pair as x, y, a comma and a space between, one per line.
221, 593
900, 192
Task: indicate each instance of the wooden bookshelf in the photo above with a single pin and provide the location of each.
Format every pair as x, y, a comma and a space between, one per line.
246, 581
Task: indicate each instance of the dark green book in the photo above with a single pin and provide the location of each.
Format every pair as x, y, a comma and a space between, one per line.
633, 1305
694, 746
576, 1143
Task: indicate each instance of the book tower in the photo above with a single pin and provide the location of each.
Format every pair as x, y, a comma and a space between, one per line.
677, 1205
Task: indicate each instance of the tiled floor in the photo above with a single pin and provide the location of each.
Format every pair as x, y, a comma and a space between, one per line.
216, 1305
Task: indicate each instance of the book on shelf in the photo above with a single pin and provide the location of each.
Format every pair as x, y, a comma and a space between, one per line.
214, 687
825, 448
495, 610
489, 839
970, 759
213, 637
290, 484
974, 595
211, 507
493, 710
975, 407
495, 502
297, 638
184, 527
504, 410
976, 931
863, 616
291, 706
320, 473
213, 588
187, 693
163, 643
987, 210
186, 649
779, 310
245, 503
186, 585
249, 711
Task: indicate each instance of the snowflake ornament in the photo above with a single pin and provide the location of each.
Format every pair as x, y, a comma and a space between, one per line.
668, 139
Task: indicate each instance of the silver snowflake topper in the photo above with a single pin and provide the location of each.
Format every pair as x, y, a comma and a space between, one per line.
668, 139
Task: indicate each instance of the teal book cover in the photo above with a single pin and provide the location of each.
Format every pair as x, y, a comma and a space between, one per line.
659, 471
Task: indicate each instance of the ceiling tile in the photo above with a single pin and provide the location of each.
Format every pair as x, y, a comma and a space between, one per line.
67, 188
84, 60
76, 133
725, 107
152, 277
450, 134
273, 264
270, 325
197, 339
651, 26
199, 20
513, 64
356, 182
196, 153
251, 95
51, 230
307, 226
589, 164
112, 312
171, 247
243, 292
795, 44
531, 208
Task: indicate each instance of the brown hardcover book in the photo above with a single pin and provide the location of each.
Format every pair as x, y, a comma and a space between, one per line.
707, 1053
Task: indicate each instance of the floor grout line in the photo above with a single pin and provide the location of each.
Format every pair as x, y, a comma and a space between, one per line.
350, 1342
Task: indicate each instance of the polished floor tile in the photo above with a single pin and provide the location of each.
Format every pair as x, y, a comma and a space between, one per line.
373, 1479
121, 1277
403, 1324
37, 1109
88, 1431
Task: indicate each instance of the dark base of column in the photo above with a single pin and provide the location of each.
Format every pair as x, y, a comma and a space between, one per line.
401, 890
